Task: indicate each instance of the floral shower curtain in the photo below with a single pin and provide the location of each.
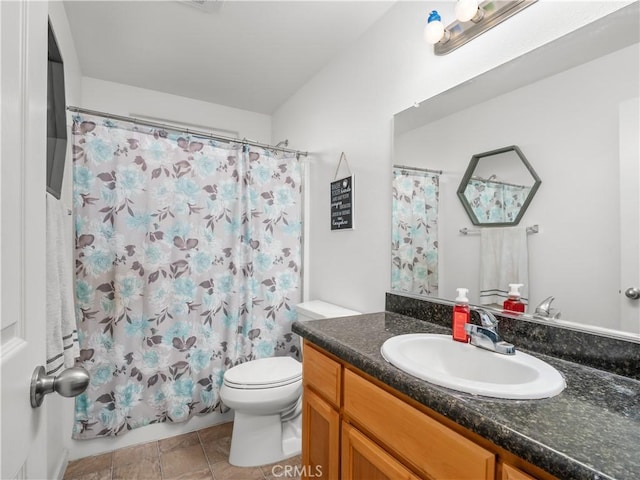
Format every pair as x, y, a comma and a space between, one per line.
414, 242
187, 261
495, 202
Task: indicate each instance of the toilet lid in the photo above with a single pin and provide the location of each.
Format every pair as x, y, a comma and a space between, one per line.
264, 373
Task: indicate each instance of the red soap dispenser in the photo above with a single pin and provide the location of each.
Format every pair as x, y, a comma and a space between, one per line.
513, 303
461, 316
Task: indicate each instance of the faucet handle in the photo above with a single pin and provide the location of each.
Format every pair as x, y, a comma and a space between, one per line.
487, 319
488, 338
544, 307
470, 328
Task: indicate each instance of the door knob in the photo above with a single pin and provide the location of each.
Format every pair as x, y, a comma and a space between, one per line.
632, 293
70, 383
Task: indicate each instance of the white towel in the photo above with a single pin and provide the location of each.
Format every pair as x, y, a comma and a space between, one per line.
504, 259
62, 335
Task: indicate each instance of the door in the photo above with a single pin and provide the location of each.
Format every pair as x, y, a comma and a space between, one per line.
364, 460
320, 438
629, 126
23, 83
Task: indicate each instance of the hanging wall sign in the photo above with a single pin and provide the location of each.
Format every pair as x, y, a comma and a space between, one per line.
342, 204
342, 200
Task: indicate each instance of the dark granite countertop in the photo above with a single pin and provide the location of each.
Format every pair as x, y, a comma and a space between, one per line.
589, 431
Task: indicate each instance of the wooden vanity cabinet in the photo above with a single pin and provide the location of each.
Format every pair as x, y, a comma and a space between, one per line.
430, 448
355, 428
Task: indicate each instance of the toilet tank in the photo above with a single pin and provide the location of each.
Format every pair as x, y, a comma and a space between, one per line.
316, 309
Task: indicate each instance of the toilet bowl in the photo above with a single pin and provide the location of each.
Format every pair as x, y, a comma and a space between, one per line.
266, 396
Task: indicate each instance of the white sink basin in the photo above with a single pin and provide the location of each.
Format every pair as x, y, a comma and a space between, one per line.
441, 360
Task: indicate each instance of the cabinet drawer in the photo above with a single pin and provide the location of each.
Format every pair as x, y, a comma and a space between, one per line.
322, 374
432, 448
512, 473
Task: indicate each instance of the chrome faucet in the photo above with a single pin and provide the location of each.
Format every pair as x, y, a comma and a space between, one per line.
544, 309
486, 335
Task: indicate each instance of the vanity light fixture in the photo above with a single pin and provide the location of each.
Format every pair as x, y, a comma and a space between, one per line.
434, 30
473, 18
468, 10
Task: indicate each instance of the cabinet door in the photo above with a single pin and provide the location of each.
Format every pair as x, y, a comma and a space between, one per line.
429, 447
512, 473
364, 460
320, 438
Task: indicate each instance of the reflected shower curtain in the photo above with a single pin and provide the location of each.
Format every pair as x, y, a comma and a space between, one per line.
495, 202
187, 261
414, 234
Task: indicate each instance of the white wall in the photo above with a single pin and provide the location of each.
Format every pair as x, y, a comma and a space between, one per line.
119, 99
349, 106
567, 127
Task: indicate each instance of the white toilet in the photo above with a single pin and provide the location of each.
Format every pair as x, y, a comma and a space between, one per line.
266, 395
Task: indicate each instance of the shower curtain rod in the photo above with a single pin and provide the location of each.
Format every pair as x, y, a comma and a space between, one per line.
176, 128
499, 182
418, 169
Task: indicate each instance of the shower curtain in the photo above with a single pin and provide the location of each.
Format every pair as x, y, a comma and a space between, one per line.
414, 241
495, 202
187, 258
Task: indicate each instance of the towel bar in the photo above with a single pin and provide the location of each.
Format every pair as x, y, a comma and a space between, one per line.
471, 231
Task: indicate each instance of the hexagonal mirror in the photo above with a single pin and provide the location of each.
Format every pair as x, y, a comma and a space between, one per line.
498, 187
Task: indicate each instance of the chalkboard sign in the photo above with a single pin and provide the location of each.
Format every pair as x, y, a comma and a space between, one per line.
342, 204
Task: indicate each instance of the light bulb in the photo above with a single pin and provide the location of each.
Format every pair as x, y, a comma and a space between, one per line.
466, 10
434, 29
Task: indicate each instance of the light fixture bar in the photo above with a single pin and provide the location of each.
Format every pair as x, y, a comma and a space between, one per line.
495, 12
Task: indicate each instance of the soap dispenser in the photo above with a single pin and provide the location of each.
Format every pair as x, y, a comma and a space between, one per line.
461, 316
513, 302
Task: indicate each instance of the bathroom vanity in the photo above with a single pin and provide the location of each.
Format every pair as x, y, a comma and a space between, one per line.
364, 418
355, 427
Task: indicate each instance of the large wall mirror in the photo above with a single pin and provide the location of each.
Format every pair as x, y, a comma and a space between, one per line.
572, 107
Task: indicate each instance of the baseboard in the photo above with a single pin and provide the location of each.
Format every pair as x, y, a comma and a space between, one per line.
61, 466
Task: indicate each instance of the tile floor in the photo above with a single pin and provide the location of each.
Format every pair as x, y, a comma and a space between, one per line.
200, 455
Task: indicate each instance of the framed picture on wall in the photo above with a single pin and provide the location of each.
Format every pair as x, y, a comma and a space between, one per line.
342, 204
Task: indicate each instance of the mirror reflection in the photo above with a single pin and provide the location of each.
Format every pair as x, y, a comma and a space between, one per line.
572, 106
498, 186
414, 235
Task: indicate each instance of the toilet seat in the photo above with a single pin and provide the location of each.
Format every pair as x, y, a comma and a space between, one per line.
264, 373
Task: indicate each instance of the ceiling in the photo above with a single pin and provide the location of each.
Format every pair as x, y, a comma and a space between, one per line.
251, 55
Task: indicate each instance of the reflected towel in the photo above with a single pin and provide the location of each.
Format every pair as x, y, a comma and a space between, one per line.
504, 259
62, 336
